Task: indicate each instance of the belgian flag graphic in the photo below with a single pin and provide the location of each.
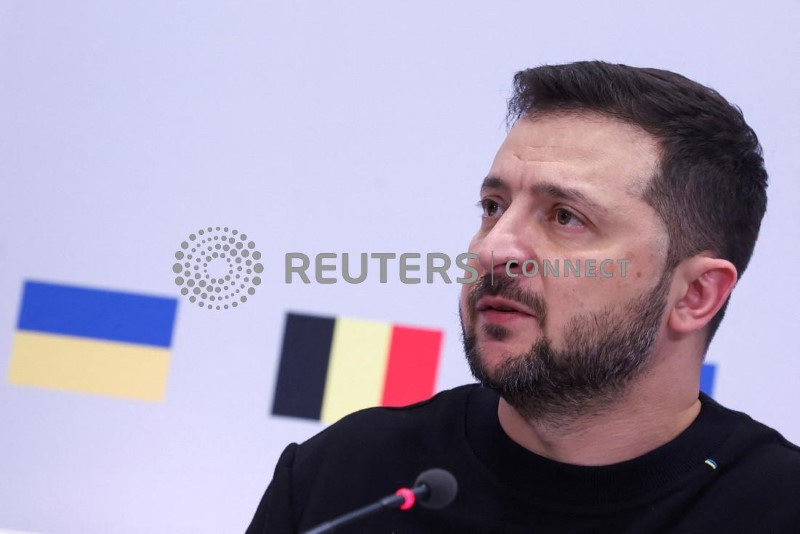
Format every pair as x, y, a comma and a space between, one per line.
331, 367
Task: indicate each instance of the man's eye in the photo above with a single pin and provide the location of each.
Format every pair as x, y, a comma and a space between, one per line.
564, 217
490, 208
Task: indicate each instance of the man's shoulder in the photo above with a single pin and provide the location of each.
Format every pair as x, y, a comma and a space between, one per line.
374, 435
364, 455
385, 423
758, 450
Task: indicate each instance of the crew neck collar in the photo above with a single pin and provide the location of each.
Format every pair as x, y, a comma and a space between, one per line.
569, 486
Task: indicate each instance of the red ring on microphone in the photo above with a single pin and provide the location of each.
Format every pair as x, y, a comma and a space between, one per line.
408, 498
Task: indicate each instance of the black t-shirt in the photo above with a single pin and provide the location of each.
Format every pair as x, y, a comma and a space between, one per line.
724, 473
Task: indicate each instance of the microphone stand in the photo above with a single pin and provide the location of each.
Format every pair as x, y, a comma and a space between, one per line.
403, 499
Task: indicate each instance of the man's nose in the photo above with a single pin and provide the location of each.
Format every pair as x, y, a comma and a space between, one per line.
507, 245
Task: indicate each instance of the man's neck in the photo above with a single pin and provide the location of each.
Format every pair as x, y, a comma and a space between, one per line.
649, 415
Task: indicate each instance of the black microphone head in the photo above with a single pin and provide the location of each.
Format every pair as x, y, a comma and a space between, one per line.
442, 487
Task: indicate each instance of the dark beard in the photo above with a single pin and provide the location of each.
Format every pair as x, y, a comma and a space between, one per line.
603, 352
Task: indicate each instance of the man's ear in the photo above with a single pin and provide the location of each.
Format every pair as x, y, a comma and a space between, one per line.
704, 285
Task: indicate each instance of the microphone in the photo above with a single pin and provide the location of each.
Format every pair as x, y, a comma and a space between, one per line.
433, 489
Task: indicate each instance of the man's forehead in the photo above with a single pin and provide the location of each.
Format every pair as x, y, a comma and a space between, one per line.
581, 135
585, 144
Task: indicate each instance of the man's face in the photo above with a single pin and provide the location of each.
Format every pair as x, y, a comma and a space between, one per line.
566, 186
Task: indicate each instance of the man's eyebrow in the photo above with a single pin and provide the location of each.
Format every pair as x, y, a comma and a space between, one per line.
548, 189
493, 182
567, 193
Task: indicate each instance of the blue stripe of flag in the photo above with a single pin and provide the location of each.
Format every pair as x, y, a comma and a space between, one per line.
707, 375
99, 314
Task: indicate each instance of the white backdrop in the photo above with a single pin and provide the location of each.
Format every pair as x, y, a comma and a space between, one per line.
313, 126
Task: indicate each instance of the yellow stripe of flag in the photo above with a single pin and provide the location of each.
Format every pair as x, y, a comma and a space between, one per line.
356, 368
79, 364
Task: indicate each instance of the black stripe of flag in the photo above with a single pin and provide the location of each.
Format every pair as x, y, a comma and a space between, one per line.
304, 361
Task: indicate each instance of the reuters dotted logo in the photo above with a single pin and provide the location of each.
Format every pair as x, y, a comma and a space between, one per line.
218, 268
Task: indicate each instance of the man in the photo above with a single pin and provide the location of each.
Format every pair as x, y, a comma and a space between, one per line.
588, 417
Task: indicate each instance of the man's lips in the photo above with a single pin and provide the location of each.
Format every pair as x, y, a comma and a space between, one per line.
501, 310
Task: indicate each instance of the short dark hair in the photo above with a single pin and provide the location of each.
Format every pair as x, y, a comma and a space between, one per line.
710, 188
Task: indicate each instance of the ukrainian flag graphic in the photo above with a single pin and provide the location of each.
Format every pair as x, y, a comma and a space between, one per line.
93, 341
331, 367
